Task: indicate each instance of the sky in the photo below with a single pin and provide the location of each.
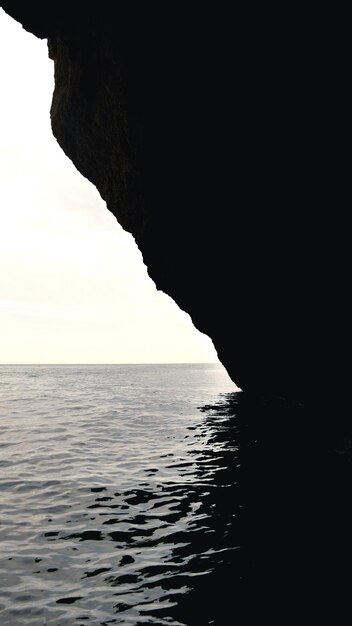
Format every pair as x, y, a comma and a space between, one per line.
73, 286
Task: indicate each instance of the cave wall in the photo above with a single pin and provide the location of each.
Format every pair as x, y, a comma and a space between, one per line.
211, 136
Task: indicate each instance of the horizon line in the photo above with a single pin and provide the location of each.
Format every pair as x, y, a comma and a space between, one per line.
126, 363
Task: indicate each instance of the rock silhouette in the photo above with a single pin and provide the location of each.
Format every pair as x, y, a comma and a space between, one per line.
214, 137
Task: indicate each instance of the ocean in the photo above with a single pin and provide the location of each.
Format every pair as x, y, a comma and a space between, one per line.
110, 482
163, 495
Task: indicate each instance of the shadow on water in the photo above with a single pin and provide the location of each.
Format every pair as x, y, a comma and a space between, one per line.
273, 533
294, 485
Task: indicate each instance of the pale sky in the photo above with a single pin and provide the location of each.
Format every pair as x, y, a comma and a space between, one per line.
73, 286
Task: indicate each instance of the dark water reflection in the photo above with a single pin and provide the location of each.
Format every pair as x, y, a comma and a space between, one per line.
294, 485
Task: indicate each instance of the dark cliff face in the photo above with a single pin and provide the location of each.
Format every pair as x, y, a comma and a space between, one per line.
213, 139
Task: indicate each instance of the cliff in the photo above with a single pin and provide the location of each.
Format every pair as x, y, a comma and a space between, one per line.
213, 136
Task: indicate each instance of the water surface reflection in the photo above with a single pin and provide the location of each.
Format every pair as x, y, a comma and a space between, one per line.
234, 513
292, 492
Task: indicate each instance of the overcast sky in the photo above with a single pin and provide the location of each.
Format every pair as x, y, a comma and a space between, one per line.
73, 287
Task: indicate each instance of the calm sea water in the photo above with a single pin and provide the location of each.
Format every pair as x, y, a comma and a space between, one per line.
115, 507
162, 495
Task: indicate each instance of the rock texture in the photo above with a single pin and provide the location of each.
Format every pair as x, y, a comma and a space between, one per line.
213, 137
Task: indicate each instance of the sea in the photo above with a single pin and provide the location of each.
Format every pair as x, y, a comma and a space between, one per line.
161, 495
108, 482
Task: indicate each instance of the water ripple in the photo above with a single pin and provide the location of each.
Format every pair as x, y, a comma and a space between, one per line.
106, 499
155, 495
